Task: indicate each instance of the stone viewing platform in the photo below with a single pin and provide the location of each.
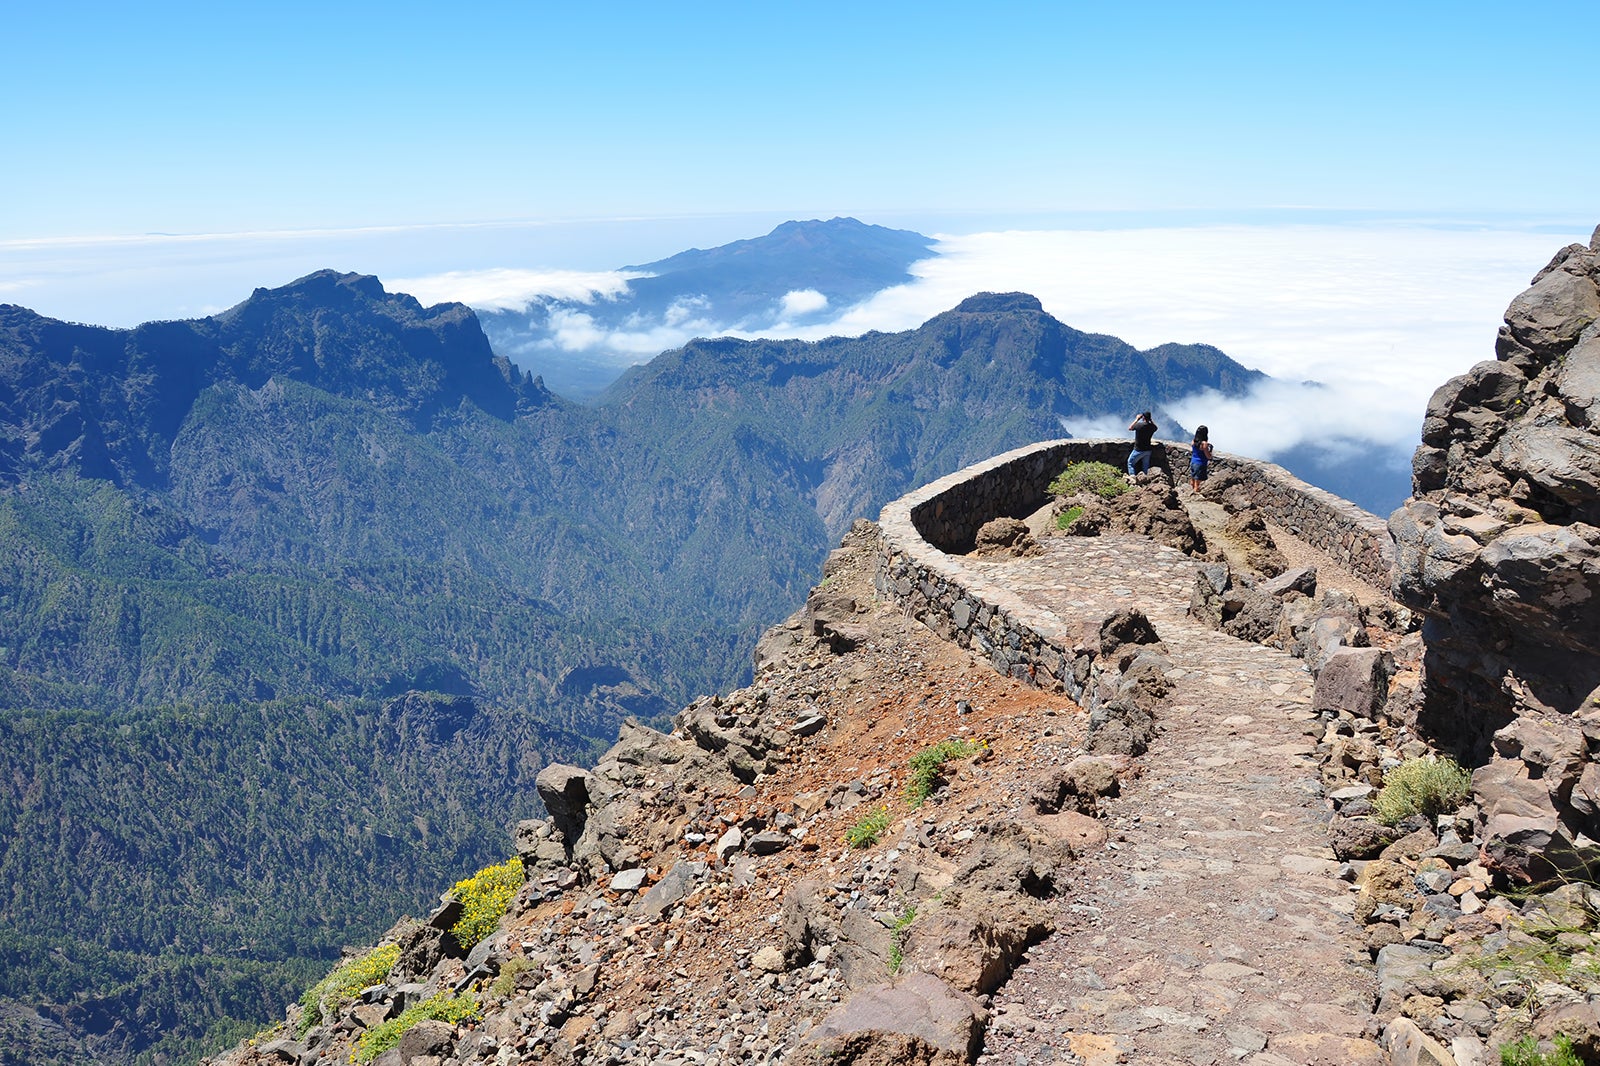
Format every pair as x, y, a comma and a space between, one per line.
1214, 926
920, 532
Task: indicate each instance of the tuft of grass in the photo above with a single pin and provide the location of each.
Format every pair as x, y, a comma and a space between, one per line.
1428, 786
1102, 479
484, 898
868, 829
505, 981
1543, 952
1069, 516
926, 764
344, 983
380, 1038
1525, 1052
897, 932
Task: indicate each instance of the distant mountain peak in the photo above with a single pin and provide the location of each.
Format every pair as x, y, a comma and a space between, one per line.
993, 303
326, 287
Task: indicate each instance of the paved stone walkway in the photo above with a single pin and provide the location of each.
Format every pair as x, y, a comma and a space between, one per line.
1212, 929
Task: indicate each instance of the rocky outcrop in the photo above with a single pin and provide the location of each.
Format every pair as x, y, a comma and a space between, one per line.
1500, 548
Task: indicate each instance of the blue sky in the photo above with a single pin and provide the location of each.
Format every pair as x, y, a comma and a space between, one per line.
1349, 192
205, 118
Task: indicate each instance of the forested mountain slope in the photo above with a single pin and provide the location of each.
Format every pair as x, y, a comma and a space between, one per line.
861, 419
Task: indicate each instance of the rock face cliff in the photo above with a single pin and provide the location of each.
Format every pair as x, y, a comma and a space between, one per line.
1500, 547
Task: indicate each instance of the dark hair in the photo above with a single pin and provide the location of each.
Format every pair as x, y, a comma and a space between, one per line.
1202, 433
1146, 417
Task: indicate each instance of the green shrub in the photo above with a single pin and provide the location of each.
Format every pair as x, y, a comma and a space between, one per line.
484, 898
381, 1038
1069, 516
1525, 1052
1102, 479
505, 982
868, 829
346, 980
1428, 786
926, 764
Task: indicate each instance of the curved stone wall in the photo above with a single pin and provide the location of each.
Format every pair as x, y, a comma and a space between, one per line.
924, 534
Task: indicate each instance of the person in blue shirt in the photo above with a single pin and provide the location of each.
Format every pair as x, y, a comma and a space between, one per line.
1199, 457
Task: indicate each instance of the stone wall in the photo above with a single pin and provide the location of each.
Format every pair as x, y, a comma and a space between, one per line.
924, 534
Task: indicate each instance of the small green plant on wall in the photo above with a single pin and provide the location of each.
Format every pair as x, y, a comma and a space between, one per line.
1065, 519
1525, 1052
897, 937
380, 1038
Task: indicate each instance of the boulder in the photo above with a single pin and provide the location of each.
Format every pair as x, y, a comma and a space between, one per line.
1077, 786
1152, 508
673, 887
428, 1037
1359, 838
916, 1019
805, 921
1005, 537
974, 952
1302, 581
1333, 627
1354, 680
1123, 634
1256, 620
1247, 528
1209, 602
564, 791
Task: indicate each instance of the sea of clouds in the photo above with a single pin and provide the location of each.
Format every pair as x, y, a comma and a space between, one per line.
1378, 316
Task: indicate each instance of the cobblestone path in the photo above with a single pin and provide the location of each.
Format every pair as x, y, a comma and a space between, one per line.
1212, 928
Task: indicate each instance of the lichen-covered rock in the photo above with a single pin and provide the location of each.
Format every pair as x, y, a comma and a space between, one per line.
1248, 528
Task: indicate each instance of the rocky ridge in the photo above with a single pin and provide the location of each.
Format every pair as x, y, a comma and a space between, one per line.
1500, 548
691, 898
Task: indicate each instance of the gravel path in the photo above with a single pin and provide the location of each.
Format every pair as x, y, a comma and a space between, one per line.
1213, 928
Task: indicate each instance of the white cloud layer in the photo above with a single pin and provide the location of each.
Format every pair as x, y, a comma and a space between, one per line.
1379, 315
514, 290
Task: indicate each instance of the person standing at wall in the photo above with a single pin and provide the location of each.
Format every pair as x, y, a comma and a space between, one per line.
1199, 458
1144, 428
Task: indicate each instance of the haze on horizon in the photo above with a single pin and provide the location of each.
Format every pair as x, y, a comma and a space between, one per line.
1349, 194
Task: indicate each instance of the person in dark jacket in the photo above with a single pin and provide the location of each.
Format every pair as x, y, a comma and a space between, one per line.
1144, 428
